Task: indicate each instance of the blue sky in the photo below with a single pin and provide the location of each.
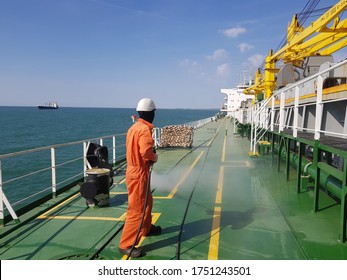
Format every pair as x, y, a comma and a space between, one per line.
111, 53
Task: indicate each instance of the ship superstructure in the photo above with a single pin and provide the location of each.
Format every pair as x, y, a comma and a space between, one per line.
49, 105
236, 98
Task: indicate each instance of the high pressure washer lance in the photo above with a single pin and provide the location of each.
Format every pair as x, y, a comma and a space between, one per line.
148, 188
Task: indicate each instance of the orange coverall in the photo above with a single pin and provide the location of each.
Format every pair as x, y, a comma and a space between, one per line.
140, 156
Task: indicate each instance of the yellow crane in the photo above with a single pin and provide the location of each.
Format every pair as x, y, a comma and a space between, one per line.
316, 39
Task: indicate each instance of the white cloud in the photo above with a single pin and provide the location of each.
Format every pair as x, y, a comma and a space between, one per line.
218, 54
256, 60
245, 47
234, 32
223, 70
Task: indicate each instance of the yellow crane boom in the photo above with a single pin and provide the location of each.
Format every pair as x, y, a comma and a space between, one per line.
316, 39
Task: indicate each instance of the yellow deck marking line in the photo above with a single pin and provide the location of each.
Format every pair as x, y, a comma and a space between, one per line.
118, 192
224, 149
209, 143
89, 218
162, 197
180, 182
155, 217
220, 186
44, 215
214, 240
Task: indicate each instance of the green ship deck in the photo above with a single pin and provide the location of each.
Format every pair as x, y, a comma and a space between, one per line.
213, 202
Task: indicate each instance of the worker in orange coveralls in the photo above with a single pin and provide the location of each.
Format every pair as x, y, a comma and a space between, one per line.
140, 156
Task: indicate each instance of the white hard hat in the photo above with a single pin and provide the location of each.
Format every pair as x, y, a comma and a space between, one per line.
145, 104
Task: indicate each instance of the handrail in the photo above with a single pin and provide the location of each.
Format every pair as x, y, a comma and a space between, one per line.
198, 123
296, 91
57, 146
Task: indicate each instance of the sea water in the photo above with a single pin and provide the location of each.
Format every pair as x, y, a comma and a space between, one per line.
23, 128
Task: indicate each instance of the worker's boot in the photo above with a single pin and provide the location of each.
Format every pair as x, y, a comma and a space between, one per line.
135, 253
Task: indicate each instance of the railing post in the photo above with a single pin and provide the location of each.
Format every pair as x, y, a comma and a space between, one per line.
114, 149
156, 135
296, 111
256, 125
85, 162
319, 107
272, 113
54, 176
252, 127
101, 141
282, 110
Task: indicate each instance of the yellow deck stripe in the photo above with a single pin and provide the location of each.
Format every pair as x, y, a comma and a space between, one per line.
118, 192
224, 149
91, 218
44, 215
220, 185
214, 240
180, 182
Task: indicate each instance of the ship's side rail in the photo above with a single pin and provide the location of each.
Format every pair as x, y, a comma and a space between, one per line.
199, 123
29, 175
305, 124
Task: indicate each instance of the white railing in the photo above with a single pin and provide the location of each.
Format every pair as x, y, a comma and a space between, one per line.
26, 176
290, 108
199, 123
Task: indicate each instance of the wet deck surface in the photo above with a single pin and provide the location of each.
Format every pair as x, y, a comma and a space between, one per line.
212, 202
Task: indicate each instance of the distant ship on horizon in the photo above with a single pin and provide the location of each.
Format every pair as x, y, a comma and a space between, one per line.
48, 105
